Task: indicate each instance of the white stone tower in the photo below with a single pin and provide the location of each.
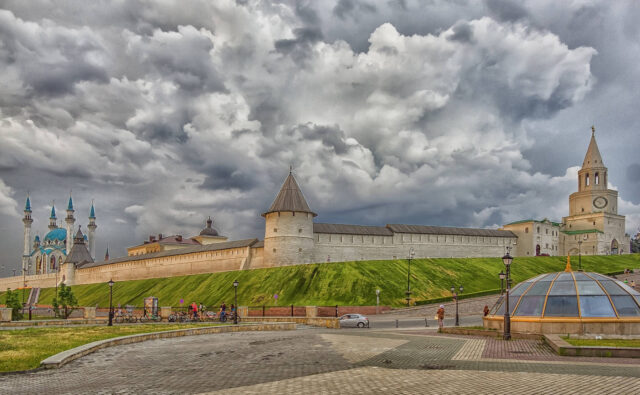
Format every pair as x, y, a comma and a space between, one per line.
52, 218
70, 221
27, 220
288, 235
92, 231
594, 226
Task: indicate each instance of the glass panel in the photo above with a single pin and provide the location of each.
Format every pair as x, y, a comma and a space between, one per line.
496, 306
519, 289
539, 288
589, 288
612, 288
561, 306
600, 276
626, 306
563, 288
530, 306
549, 277
628, 288
581, 276
565, 277
596, 306
513, 301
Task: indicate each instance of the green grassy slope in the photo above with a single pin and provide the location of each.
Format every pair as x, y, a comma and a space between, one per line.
342, 283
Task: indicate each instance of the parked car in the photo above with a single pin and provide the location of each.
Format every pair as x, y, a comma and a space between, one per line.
354, 320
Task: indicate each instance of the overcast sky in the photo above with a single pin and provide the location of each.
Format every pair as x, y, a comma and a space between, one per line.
453, 113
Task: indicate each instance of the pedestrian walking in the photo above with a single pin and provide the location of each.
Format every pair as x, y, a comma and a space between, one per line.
486, 310
440, 315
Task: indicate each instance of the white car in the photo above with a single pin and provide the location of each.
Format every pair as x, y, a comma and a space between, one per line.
354, 320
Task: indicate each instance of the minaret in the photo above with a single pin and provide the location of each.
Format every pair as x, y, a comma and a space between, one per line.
70, 220
27, 220
52, 218
106, 255
92, 231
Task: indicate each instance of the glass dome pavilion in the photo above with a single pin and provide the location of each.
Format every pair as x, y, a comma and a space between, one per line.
570, 302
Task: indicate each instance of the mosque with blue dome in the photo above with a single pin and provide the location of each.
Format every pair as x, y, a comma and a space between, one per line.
46, 255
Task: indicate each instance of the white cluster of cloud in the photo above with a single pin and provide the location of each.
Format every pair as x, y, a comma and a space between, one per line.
166, 113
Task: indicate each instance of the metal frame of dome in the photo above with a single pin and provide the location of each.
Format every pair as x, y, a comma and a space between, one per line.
570, 302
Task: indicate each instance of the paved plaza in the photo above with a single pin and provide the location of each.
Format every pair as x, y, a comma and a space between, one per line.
331, 361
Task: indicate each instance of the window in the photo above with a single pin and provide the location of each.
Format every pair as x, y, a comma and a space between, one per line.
538, 229
586, 180
300, 230
299, 249
274, 250
596, 178
583, 209
526, 230
546, 231
275, 230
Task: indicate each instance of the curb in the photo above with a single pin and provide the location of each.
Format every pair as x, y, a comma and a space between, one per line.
60, 359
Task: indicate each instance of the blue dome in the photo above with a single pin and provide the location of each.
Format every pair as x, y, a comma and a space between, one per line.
59, 234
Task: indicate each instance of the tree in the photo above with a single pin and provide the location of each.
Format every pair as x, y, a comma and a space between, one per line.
635, 243
65, 302
13, 302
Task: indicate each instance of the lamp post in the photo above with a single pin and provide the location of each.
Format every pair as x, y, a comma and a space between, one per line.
110, 302
579, 255
411, 255
502, 277
455, 297
377, 301
507, 259
235, 314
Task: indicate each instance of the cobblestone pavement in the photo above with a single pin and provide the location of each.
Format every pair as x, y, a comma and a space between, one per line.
330, 361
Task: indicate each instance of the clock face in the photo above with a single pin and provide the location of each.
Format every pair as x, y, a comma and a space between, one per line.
600, 202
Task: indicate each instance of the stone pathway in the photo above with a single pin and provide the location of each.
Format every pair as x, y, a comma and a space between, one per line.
330, 361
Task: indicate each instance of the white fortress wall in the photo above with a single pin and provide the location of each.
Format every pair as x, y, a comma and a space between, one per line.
348, 247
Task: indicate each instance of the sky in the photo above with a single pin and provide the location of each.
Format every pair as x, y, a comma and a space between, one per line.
450, 113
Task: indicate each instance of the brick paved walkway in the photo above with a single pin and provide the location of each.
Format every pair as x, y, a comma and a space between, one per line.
330, 361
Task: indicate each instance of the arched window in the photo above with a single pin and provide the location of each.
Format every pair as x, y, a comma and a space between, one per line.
53, 263
586, 180
596, 179
538, 229
526, 230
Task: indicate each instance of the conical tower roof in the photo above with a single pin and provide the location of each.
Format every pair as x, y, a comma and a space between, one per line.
79, 253
593, 157
290, 198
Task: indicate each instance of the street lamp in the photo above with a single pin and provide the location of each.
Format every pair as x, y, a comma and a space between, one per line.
579, 255
455, 297
110, 302
377, 301
507, 259
412, 253
502, 277
235, 289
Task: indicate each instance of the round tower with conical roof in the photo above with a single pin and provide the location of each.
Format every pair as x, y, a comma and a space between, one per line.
70, 221
92, 231
288, 235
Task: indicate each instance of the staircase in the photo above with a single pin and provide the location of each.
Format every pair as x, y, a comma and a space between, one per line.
34, 295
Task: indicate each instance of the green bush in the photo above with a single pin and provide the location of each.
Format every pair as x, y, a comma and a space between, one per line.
12, 301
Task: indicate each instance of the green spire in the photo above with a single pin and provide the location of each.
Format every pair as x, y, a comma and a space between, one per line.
27, 205
70, 205
53, 212
92, 214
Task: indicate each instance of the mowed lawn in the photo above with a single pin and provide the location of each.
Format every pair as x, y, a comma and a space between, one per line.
603, 342
25, 348
340, 283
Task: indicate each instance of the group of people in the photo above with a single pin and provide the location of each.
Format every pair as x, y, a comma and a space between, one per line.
196, 309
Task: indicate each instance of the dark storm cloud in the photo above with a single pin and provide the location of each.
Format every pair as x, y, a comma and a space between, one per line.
458, 113
346, 8
506, 10
633, 173
462, 32
227, 177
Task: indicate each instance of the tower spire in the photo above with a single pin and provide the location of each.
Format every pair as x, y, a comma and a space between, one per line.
52, 218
